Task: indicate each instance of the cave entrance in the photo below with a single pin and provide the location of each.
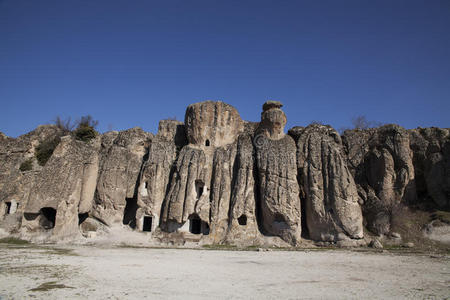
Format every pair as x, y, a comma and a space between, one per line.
8, 208
199, 187
82, 218
129, 213
197, 226
207, 143
48, 217
242, 220
147, 225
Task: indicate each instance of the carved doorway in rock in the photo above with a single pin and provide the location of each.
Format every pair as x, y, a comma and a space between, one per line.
197, 226
147, 224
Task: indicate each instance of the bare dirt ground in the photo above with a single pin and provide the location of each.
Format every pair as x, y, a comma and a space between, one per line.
86, 272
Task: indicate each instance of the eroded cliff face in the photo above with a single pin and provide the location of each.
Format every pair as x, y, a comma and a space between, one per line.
329, 192
279, 200
120, 166
431, 158
215, 178
382, 164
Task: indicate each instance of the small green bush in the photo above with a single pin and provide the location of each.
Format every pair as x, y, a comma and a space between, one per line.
86, 129
45, 150
26, 165
85, 133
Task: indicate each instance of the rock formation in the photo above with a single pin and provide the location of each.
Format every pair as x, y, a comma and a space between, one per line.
329, 191
381, 162
215, 179
279, 200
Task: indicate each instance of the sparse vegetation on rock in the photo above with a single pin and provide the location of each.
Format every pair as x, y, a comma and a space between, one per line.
85, 130
26, 165
45, 149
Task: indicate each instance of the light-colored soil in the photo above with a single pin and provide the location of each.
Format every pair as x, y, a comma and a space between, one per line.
28, 272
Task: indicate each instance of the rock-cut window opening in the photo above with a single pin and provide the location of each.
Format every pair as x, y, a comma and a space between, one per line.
8, 208
48, 217
242, 220
146, 184
199, 188
207, 143
147, 224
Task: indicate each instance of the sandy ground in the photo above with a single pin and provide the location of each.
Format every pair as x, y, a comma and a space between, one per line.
28, 272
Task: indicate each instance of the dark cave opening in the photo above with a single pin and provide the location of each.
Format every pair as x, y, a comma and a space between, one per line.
129, 213
242, 220
195, 225
147, 224
207, 143
304, 223
8, 208
48, 217
82, 218
199, 187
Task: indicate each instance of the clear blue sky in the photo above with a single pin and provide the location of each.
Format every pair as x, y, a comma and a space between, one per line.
132, 63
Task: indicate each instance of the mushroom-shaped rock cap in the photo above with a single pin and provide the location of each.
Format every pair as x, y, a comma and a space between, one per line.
272, 104
273, 120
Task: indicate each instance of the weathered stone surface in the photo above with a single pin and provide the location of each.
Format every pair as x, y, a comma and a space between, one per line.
14, 151
243, 220
277, 177
156, 172
278, 188
66, 185
218, 179
327, 186
184, 197
200, 186
381, 162
15, 185
212, 123
120, 168
431, 157
273, 120
221, 188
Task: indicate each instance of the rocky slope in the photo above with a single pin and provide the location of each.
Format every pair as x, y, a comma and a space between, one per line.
218, 179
